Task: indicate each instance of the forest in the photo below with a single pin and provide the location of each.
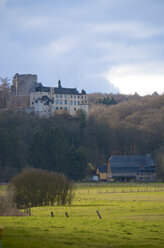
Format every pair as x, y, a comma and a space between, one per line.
66, 144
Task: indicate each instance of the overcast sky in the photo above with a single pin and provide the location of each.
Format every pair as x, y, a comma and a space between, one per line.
98, 45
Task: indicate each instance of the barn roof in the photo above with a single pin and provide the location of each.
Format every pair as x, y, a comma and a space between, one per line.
131, 160
102, 168
132, 164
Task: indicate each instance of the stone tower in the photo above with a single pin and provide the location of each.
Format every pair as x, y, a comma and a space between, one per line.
22, 84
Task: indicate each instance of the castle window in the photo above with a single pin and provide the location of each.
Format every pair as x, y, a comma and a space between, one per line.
71, 102
71, 96
74, 109
78, 97
75, 103
65, 108
57, 102
65, 102
81, 97
57, 96
61, 102
78, 103
74, 96
60, 96
57, 108
65, 96
61, 108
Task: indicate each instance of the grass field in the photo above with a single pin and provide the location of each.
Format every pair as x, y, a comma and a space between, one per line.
132, 216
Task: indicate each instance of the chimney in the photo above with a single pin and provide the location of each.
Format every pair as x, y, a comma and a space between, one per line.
59, 84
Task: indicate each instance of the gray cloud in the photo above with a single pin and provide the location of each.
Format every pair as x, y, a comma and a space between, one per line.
79, 41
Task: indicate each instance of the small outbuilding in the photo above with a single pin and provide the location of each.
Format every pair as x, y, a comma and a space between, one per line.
101, 172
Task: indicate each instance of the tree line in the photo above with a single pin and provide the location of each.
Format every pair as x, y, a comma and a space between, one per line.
106, 101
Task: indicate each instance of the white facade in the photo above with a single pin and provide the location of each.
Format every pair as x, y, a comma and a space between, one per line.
47, 101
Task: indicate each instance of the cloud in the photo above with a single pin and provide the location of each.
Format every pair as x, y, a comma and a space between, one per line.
130, 29
141, 78
59, 47
85, 43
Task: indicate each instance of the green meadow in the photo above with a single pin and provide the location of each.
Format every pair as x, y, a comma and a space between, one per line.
132, 216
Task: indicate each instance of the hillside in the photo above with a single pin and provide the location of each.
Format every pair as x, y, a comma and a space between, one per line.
141, 116
63, 143
141, 112
94, 97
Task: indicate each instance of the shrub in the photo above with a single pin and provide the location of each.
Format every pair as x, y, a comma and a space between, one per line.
8, 205
37, 188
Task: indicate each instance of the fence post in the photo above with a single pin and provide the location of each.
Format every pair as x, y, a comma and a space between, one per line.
52, 214
98, 214
66, 214
1, 229
29, 211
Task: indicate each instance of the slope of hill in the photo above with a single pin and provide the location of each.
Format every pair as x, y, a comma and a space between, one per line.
141, 117
65, 144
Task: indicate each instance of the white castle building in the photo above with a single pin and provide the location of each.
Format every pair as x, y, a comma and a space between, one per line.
46, 101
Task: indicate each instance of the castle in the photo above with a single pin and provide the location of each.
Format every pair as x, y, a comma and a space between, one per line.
44, 101
47, 101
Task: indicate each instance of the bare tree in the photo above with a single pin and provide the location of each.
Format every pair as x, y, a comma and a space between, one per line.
4, 88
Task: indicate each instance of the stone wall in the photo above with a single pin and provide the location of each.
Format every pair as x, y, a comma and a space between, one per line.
18, 102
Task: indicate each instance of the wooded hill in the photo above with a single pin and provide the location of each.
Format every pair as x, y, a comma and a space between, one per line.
133, 125
141, 118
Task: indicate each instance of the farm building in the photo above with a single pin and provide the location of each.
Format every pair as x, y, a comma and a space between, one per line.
102, 172
138, 168
96, 174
